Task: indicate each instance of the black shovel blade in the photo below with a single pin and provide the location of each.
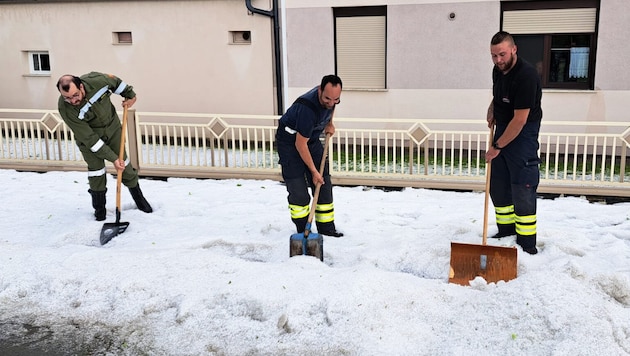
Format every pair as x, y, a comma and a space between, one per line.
111, 230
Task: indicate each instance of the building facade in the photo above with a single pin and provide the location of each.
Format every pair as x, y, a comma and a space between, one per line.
427, 59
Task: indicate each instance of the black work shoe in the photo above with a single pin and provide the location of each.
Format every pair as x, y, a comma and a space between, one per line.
501, 234
333, 233
504, 230
531, 250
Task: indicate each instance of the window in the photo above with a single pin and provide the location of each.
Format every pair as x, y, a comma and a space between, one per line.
39, 62
240, 37
122, 38
360, 42
558, 37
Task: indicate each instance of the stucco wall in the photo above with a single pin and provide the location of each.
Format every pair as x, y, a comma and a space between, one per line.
427, 50
180, 59
612, 70
437, 68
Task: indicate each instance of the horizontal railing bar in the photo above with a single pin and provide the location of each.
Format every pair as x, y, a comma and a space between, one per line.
428, 153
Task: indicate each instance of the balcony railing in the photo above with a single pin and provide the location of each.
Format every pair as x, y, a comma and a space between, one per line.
586, 158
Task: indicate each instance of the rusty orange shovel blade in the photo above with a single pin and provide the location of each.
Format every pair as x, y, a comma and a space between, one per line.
493, 263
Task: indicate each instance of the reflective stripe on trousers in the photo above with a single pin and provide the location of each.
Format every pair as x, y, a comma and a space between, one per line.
504, 215
525, 225
299, 212
324, 213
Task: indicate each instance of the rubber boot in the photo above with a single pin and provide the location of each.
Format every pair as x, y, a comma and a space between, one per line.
141, 202
98, 203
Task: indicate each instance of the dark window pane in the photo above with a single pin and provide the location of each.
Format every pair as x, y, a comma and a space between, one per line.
559, 68
36, 62
569, 58
124, 37
45, 59
531, 49
567, 41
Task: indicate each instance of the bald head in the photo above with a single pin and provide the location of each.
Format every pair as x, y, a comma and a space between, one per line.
65, 82
71, 89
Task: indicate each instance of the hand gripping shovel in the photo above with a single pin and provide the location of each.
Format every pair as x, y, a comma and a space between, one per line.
308, 242
111, 230
493, 263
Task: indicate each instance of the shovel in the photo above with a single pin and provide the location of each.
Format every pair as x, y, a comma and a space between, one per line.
111, 230
308, 242
493, 263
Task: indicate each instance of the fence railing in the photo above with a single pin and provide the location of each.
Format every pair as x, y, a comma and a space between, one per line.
587, 158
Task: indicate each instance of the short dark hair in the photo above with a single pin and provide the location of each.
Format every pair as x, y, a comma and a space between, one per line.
64, 82
501, 36
332, 79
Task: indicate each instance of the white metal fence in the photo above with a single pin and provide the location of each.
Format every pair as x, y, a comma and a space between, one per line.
586, 158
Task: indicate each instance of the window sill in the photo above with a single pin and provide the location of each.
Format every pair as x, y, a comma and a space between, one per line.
365, 90
571, 91
36, 75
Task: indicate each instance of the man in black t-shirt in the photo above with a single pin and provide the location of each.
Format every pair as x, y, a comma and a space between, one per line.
516, 111
300, 153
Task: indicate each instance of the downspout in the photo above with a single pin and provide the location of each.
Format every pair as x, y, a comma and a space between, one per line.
273, 13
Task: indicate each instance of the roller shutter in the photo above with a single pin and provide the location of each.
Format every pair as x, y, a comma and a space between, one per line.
577, 20
361, 51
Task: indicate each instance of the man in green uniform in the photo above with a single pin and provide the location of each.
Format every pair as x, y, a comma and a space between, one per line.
86, 108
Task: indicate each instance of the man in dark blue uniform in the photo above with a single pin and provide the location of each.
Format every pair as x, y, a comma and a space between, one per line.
300, 151
516, 112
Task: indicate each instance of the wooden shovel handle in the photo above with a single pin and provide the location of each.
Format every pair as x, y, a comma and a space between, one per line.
487, 191
319, 185
121, 156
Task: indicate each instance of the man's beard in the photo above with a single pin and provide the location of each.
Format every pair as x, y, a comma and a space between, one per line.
507, 65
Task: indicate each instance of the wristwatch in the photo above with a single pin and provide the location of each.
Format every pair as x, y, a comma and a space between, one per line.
496, 146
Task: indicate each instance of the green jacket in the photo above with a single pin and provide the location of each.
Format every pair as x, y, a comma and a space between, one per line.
95, 120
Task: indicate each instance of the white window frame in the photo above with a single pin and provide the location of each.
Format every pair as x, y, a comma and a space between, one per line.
35, 65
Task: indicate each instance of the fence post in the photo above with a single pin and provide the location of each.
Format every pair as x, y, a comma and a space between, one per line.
133, 142
622, 163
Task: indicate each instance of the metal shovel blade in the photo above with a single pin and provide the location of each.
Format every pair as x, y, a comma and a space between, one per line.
111, 230
493, 263
311, 245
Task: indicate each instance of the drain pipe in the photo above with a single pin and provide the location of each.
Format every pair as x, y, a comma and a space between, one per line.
273, 14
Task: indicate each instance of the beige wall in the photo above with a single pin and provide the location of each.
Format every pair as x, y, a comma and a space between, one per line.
612, 70
180, 59
438, 68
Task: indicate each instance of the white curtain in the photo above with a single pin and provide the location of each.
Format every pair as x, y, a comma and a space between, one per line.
578, 63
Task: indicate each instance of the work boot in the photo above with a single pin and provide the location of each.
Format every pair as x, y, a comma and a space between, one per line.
504, 230
531, 250
141, 202
98, 203
528, 243
328, 229
300, 224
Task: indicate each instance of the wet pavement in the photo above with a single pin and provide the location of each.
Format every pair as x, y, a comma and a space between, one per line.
21, 339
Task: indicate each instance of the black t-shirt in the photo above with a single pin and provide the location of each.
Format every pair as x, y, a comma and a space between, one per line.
518, 89
308, 120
